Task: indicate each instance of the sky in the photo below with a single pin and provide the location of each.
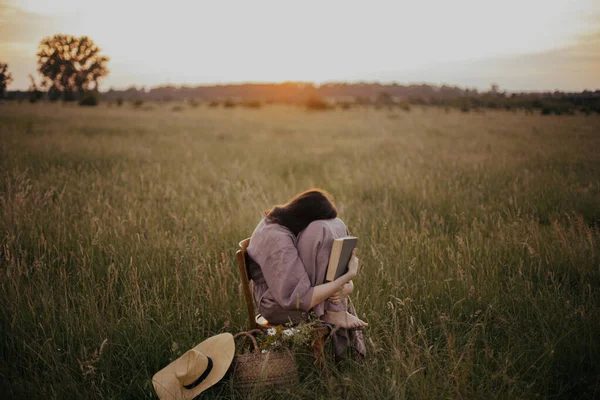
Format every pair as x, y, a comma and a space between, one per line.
534, 45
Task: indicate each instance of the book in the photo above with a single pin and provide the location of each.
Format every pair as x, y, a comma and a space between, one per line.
341, 251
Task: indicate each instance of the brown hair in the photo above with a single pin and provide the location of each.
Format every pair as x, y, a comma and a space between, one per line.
303, 209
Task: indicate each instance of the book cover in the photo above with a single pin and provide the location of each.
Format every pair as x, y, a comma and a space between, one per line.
341, 251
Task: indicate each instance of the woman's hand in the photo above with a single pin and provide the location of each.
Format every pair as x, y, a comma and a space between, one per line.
326, 290
353, 265
342, 294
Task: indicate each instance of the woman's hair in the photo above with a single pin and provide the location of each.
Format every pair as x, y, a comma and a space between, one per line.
303, 209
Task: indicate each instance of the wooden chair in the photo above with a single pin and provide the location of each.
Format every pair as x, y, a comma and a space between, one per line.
257, 321
241, 257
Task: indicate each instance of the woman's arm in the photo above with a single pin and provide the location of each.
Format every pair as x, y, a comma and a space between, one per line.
326, 290
344, 292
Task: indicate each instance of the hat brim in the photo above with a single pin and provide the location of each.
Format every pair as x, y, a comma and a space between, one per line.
220, 348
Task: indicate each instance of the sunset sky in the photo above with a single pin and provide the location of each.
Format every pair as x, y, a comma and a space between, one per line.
520, 44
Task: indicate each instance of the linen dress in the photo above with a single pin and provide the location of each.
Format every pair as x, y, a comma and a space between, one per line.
285, 269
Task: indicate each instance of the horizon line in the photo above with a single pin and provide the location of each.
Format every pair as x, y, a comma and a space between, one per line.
147, 88
316, 85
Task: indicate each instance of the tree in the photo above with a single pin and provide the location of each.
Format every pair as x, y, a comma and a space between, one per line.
5, 79
71, 64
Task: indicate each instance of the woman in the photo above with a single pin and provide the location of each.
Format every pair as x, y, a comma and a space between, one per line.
289, 253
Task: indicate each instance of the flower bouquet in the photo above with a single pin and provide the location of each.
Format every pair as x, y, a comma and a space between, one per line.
280, 337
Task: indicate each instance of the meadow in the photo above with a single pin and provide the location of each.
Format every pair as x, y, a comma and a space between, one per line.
479, 244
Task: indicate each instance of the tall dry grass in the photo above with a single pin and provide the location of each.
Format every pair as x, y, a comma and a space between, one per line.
478, 234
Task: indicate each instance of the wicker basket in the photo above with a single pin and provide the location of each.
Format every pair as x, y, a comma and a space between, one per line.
256, 368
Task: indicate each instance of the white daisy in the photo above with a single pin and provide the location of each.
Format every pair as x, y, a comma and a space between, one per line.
288, 332
271, 331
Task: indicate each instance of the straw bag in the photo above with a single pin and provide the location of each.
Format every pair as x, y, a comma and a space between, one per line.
256, 368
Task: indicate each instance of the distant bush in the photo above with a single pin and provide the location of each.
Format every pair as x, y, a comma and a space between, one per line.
54, 93
252, 104
193, 103
465, 108
384, 99
35, 93
34, 97
89, 98
120, 101
345, 105
138, 103
69, 95
214, 103
362, 101
316, 103
177, 108
404, 106
546, 110
229, 103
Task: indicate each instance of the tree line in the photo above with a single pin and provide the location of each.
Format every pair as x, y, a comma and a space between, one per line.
349, 95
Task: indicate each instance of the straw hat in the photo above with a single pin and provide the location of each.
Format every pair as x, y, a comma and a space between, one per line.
197, 370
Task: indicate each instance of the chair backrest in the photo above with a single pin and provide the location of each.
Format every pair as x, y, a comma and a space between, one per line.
240, 255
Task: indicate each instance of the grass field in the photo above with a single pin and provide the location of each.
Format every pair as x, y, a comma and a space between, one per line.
479, 239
